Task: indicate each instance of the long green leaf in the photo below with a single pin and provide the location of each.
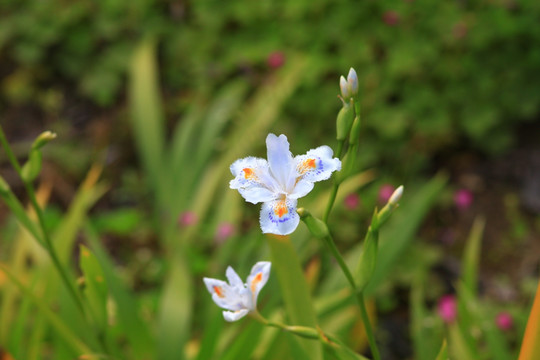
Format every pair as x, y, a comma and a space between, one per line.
249, 131
176, 304
54, 321
443, 353
197, 137
243, 345
136, 332
467, 292
471, 257
95, 286
424, 336
458, 346
18, 210
147, 115
472, 312
294, 289
394, 236
398, 234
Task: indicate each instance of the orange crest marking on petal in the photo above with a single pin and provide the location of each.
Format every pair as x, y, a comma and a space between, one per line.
307, 165
281, 209
256, 280
219, 291
249, 174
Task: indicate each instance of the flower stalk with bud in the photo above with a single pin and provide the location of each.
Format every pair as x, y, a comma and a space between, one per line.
278, 182
28, 173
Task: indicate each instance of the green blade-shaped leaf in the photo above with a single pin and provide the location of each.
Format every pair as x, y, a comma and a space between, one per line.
368, 256
137, 333
54, 321
474, 313
294, 289
95, 287
176, 307
20, 213
458, 346
468, 313
244, 344
249, 131
471, 257
146, 113
399, 233
443, 353
426, 337
394, 237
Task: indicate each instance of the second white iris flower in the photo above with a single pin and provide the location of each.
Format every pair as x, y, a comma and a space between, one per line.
281, 180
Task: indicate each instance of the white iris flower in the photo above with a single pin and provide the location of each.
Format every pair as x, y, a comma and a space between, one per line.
281, 180
237, 297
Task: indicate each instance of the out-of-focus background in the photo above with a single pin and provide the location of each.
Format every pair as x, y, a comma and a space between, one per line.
448, 89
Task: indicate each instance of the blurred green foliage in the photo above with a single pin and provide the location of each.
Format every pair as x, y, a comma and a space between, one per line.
431, 74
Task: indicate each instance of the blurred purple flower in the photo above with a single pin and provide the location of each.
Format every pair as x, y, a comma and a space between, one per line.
224, 231
187, 218
463, 199
504, 321
391, 18
447, 308
351, 201
275, 60
385, 192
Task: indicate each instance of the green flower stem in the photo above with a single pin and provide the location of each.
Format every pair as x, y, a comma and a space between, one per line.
333, 194
302, 331
331, 201
39, 212
359, 295
308, 333
47, 242
339, 150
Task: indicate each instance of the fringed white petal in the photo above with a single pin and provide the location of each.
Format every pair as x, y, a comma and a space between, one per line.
317, 164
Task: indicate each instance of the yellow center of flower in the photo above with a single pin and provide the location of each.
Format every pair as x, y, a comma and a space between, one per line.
219, 291
249, 174
307, 165
256, 280
281, 209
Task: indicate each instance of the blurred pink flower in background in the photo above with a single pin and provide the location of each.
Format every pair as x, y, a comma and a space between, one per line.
351, 201
504, 321
463, 199
385, 192
447, 308
391, 18
224, 231
187, 218
276, 59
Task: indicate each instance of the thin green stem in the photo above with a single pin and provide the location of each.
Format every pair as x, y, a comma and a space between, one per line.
367, 326
39, 212
11, 156
331, 201
337, 255
335, 187
358, 295
46, 238
341, 143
